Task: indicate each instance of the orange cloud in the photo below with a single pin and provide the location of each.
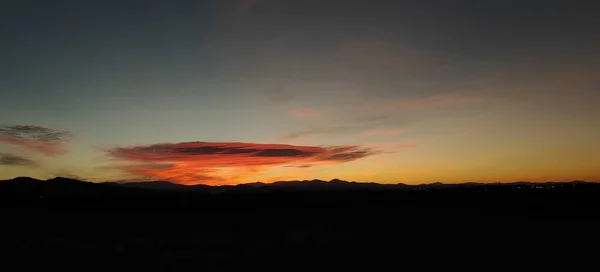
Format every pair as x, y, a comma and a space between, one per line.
375, 132
304, 113
225, 163
47, 141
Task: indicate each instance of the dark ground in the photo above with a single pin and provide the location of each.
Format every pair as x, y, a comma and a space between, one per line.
444, 228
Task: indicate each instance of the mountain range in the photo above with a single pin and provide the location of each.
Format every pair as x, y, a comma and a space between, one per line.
68, 185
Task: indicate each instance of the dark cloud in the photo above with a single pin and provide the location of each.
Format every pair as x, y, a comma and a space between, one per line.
44, 140
213, 150
347, 156
300, 166
223, 150
283, 153
16, 160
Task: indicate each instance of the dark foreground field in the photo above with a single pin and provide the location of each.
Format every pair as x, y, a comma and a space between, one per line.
299, 231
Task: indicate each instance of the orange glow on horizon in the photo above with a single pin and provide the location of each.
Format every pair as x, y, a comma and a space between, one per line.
210, 162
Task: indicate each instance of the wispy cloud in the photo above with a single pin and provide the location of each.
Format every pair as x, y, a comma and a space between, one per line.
376, 109
304, 113
318, 131
16, 160
433, 101
205, 162
376, 52
47, 141
391, 147
376, 132
371, 113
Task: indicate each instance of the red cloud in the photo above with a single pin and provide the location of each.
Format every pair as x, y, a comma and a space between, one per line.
303, 113
205, 162
44, 140
375, 132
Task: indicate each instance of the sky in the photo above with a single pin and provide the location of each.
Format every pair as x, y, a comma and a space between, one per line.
233, 91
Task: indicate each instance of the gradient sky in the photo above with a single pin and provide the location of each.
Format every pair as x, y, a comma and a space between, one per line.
224, 91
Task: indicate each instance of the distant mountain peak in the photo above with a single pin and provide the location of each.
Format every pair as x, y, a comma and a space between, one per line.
335, 180
292, 185
258, 183
61, 179
24, 179
156, 184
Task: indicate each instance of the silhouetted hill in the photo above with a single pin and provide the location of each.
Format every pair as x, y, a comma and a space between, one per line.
60, 185
295, 225
333, 193
155, 185
29, 189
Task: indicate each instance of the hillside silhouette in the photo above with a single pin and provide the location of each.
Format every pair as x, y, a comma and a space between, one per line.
290, 225
548, 199
66, 185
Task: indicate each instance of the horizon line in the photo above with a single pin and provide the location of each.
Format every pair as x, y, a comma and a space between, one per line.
310, 180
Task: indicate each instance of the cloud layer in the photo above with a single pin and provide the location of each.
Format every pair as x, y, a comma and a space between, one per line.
47, 141
205, 162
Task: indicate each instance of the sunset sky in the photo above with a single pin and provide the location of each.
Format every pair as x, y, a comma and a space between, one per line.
225, 92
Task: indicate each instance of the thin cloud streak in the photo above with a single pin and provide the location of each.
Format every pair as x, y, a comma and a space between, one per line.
318, 131
380, 53
372, 111
391, 147
377, 132
206, 162
16, 160
50, 142
304, 113
430, 102
378, 109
